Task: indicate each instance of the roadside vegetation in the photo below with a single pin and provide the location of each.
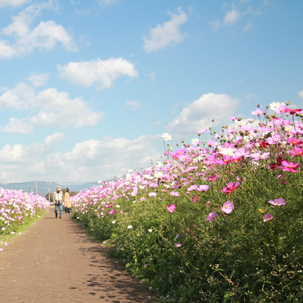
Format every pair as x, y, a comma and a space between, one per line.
18, 210
218, 220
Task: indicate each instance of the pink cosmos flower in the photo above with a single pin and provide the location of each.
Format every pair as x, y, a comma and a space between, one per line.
203, 188
178, 245
258, 156
295, 141
184, 158
227, 207
177, 153
201, 131
274, 139
230, 187
113, 211
171, 208
257, 112
211, 143
211, 217
194, 199
267, 217
278, 202
174, 193
296, 152
289, 166
192, 187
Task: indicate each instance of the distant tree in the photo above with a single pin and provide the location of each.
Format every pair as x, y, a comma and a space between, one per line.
74, 193
51, 197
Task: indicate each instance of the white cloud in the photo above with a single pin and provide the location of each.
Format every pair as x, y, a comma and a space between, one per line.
44, 36
39, 79
300, 94
235, 12
215, 24
134, 105
53, 139
200, 113
101, 73
232, 17
166, 34
90, 160
248, 26
106, 2
45, 108
13, 3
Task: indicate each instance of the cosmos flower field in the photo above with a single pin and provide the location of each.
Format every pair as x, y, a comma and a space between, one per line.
16, 210
218, 220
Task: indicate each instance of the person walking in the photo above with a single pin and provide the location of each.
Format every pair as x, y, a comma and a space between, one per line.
67, 201
58, 200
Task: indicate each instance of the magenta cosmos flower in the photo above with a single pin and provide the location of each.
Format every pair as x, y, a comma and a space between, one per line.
278, 202
227, 207
267, 217
295, 141
113, 211
290, 166
211, 217
194, 199
230, 187
171, 208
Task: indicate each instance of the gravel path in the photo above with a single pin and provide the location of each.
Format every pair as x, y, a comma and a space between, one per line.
55, 261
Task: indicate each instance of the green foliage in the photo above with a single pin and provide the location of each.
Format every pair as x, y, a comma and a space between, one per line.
235, 258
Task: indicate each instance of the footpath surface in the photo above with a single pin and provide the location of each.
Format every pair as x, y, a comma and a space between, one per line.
55, 261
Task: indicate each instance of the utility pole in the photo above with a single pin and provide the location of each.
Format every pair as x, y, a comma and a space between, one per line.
49, 184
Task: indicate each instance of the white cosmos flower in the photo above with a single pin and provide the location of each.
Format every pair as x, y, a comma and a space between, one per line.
158, 174
114, 221
129, 226
150, 230
275, 105
195, 141
288, 127
166, 136
159, 164
227, 151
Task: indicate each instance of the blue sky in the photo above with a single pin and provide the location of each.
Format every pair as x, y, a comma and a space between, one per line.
88, 87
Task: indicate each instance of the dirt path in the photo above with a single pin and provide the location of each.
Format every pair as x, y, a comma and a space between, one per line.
55, 261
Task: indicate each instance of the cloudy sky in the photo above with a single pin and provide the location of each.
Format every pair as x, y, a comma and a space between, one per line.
88, 87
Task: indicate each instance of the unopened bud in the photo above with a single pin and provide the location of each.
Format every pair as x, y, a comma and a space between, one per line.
287, 102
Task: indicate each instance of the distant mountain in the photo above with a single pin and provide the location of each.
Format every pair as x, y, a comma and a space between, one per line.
43, 187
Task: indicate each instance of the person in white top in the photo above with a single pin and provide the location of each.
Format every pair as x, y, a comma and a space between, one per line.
58, 200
